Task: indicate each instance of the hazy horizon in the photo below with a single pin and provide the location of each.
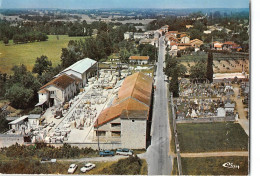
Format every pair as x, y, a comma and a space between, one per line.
118, 4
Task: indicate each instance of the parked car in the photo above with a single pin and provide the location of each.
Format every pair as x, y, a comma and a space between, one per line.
44, 159
72, 168
124, 151
106, 153
87, 167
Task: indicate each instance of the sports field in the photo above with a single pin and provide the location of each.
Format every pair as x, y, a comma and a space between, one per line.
26, 54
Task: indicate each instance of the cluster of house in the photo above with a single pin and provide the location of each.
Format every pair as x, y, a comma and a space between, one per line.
148, 37
228, 45
67, 83
216, 28
180, 41
126, 119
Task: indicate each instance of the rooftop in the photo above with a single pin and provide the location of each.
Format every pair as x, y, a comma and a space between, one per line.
63, 81
81, 66
134, 95
139, 57
18, 120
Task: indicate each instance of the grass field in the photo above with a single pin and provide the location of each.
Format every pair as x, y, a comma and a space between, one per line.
33, 166
213, 166
26, 54
210, 137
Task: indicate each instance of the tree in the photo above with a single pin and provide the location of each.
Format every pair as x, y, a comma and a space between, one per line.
68, 57
124, 55
210, 67
198, 71
195, 34
19, 96
5, 40
42, 64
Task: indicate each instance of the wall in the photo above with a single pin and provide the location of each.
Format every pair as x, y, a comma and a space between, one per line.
7, 140
43, 97
133, 134
107, 127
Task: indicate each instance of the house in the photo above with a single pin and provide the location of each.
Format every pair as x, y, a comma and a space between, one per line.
217, 45
189, 26
126, 119
196, 43
230, 107
185, 39
128, 35
57, 91
207, 32
138, 35
34, 120
154, 42
231, 46
139, 59
165, 28
19, 123
83, 69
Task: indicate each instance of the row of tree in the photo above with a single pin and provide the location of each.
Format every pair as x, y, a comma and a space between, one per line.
29, 37
201, 71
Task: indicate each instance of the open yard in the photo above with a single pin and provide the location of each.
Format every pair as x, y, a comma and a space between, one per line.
26, 54
211, 137
213, 166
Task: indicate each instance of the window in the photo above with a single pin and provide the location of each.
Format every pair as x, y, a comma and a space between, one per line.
133, 120
116, 133
115, 124
100, 133
52, 92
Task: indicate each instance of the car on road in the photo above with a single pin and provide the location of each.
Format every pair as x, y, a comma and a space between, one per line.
106, 153
124, 151
87, 167
72, 168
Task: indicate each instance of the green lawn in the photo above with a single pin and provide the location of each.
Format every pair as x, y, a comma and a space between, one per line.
210, 137
12, 54
213, 166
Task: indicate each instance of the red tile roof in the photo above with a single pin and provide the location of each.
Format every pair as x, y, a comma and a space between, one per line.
139, 57
63, 81
134, 95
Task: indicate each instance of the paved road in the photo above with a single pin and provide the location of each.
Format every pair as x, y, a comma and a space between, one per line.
158, 155
215, 154
243, 121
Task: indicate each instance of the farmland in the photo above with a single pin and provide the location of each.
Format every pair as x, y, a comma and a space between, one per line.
26, 54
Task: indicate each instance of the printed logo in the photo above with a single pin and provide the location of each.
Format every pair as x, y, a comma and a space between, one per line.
230, 165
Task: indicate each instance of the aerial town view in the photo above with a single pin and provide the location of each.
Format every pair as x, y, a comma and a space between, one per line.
130, 87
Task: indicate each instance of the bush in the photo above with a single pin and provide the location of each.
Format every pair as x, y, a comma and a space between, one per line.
37, 110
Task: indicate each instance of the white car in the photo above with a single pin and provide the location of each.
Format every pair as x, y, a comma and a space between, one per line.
72, 168
87, 167
124, 151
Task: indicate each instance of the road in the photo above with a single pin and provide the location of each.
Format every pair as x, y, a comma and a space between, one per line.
243, 121
158, 153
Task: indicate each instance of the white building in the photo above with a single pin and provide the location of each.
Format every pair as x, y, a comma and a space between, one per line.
139, 59
82, 69
128, 35
57, 91
125, 121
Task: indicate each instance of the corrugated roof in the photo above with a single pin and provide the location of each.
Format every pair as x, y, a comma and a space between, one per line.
63, 81
134, 95
81, 66
139, 57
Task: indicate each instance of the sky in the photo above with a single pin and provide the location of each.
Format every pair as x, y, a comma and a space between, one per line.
95, 4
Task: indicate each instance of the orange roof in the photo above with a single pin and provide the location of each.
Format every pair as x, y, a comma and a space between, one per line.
183, 35
138, 86
134, 95
43, 91
173, 43
229, 43
63, 81
139, 57
115, 111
